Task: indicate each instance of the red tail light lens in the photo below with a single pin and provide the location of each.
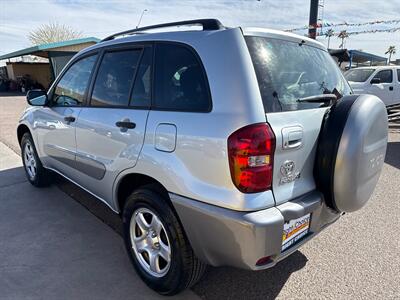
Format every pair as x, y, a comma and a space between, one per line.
251, 151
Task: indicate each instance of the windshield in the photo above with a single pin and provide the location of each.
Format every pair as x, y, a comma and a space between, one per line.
358, 75
288, 71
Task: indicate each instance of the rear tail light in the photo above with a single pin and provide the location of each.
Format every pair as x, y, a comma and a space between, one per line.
251, 151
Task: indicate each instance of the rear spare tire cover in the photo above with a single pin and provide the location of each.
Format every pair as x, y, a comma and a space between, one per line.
351, 151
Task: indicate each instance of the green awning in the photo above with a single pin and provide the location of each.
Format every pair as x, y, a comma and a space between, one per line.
35, 50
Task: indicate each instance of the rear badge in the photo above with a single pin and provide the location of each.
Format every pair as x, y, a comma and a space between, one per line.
289, 173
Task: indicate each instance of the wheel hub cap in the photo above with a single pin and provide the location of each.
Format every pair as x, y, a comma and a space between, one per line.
150, 242
29, 160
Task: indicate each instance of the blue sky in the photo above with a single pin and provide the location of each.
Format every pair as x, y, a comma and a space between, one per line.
101, 18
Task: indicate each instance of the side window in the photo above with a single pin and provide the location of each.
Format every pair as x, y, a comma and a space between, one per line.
180, 83
385, 76
141, 95
398, 75
114, 78
70, 90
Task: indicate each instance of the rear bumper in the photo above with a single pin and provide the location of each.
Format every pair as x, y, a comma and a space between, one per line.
223, 237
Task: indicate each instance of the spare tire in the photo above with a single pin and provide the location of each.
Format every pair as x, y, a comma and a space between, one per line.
351, 151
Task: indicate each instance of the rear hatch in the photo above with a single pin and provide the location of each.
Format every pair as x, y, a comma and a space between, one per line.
289, 69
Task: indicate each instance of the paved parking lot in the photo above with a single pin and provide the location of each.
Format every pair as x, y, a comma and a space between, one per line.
60, 243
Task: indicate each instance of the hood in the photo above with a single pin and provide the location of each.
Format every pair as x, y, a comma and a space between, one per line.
357, 86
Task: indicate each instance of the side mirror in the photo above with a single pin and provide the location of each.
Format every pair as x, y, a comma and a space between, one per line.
37, 97
375, 80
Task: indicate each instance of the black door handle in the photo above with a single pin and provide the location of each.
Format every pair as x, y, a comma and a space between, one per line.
69, 119
125, 124
390, 88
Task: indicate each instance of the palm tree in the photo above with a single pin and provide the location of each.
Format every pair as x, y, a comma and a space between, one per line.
328, 34
343, 35
391, 50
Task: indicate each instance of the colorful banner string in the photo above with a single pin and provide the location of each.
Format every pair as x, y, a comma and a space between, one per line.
328, 24
362, 32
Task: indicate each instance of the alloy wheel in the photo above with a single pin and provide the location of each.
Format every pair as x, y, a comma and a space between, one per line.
150, 242
30, 160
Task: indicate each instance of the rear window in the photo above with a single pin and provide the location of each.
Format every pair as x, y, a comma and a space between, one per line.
358, 75
288, 71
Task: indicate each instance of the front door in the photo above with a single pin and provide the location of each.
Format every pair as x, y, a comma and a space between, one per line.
56, 123
385, 88
111, 129
396, 97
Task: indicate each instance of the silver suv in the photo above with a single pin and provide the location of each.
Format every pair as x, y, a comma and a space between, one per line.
219, 146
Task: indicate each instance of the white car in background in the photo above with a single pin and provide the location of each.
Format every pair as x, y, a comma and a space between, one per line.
381, 81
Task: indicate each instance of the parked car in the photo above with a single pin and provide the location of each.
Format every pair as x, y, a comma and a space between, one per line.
204, 145
381, 81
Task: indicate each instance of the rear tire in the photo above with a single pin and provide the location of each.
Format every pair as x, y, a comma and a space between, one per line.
35, 172
184, 269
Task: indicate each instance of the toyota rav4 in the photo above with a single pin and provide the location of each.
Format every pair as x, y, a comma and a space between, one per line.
217, 146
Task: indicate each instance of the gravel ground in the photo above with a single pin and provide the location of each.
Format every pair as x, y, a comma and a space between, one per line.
356, 258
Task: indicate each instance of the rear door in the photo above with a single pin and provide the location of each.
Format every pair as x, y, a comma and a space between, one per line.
385, 88
288, 71
110, 130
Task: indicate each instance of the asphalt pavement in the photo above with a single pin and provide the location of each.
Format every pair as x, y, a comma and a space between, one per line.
51, 247
61, 243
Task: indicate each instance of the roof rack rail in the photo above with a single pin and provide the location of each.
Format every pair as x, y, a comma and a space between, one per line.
208, 24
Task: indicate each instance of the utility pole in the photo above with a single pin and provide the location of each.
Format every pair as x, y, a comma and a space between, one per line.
312, 24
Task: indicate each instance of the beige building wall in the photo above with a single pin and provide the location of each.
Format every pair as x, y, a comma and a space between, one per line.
37, 71
74, 48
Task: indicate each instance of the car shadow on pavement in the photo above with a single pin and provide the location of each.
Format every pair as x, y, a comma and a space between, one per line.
91, 203
393, 154
217, 283
12, 176
231, 283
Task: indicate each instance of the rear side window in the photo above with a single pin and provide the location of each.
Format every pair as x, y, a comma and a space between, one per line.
114, 78
180, 82
70, 90
358, 75
289, 71
385, 76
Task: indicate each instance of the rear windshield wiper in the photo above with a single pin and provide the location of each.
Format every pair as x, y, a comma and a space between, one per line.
319, 98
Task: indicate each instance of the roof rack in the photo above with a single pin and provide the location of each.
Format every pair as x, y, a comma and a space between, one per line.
208, 24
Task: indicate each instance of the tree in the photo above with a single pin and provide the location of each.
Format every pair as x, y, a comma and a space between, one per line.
343, 35
391, 50
52, 32
328, 34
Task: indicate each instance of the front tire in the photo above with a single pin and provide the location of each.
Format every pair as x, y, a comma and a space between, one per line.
35, 172
157, 245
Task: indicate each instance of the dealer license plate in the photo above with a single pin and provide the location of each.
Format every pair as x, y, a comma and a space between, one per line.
294, 230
